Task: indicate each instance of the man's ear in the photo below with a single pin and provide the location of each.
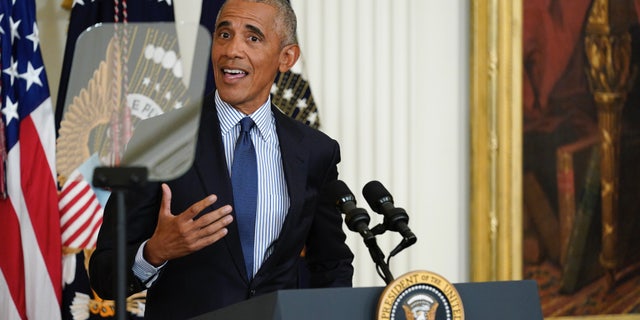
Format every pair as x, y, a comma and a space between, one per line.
288, 57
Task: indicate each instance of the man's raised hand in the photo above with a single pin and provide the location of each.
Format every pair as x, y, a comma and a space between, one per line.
178, 235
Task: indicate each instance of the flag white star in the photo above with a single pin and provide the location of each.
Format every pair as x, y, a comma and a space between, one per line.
146, 81
157, 87
312, 117
288, 94
14, 28
178, 105
1, 17
34, 37
12, 70
167, 96
10, 111
302, 104
32, 75
80, 2
274, 88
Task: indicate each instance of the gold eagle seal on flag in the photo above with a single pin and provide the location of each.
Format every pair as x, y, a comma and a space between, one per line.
154, 86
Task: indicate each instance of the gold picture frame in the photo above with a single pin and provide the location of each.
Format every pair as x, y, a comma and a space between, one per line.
496, 144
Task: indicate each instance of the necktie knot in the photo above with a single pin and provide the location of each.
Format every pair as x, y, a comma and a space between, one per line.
246, 124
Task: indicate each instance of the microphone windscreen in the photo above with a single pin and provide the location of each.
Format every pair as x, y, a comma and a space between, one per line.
338, 189
373, 191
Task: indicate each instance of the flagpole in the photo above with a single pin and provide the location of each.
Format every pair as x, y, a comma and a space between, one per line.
122, 178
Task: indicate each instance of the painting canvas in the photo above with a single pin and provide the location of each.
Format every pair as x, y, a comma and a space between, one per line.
581, 155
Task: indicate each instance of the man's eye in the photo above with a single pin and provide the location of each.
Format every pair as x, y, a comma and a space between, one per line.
224, 35
254, 39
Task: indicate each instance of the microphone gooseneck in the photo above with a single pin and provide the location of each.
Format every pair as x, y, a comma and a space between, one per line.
357, 220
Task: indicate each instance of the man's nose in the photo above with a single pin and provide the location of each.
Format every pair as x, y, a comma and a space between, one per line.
235, 47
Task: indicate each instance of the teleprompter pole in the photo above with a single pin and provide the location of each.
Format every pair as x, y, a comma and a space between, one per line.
119, 180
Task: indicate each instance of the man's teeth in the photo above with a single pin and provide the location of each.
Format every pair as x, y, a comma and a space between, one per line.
231, 71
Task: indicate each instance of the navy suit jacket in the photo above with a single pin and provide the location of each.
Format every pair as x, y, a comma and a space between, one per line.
215, 276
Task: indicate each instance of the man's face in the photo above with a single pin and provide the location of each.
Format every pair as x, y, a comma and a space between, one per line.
246, 53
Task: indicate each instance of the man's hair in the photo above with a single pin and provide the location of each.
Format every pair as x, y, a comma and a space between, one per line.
286, 22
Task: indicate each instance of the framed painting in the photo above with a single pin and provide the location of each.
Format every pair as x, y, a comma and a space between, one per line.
555, 152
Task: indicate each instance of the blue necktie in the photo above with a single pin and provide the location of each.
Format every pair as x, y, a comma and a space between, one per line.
244, 179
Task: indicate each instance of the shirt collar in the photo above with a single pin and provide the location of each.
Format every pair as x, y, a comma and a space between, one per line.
230, 116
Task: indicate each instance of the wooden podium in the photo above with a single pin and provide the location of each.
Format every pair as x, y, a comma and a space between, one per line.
504, 300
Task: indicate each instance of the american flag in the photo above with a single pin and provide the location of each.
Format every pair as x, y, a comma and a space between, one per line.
81, 213
30, 257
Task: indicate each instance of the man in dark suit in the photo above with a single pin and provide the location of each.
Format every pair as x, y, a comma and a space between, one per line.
186, 237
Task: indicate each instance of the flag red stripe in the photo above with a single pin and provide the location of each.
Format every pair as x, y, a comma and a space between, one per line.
94, 235
88, 233
84, 225
78, 212
68, 187
96, 223
83, 216
66, 191
11, 256
41, 198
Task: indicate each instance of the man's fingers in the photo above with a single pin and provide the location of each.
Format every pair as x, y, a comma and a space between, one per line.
212, 234
214, 237
213, 216
208, 234
197, 207
214, 224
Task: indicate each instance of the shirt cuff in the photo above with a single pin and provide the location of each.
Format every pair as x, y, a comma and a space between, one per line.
143, 270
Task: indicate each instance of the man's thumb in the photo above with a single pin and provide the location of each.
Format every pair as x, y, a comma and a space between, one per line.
165, 205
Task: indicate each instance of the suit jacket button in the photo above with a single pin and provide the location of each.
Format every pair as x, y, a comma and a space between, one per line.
252, 292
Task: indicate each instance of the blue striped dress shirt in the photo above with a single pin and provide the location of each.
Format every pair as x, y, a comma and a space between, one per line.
273, 197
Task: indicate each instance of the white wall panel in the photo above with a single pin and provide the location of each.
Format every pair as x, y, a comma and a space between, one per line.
390, 79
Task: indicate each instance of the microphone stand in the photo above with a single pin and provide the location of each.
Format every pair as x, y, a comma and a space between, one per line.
357, 220
378, 257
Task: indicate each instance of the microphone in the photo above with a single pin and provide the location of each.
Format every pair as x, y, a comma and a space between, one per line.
356, 219
395, 219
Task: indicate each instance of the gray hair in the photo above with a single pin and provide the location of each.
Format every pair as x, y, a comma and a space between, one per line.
286, 21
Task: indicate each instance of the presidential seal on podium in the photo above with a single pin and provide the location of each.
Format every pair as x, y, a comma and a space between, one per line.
420, 295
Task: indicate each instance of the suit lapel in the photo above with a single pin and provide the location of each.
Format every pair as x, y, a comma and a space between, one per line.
294, 161
211, 167
294, 155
